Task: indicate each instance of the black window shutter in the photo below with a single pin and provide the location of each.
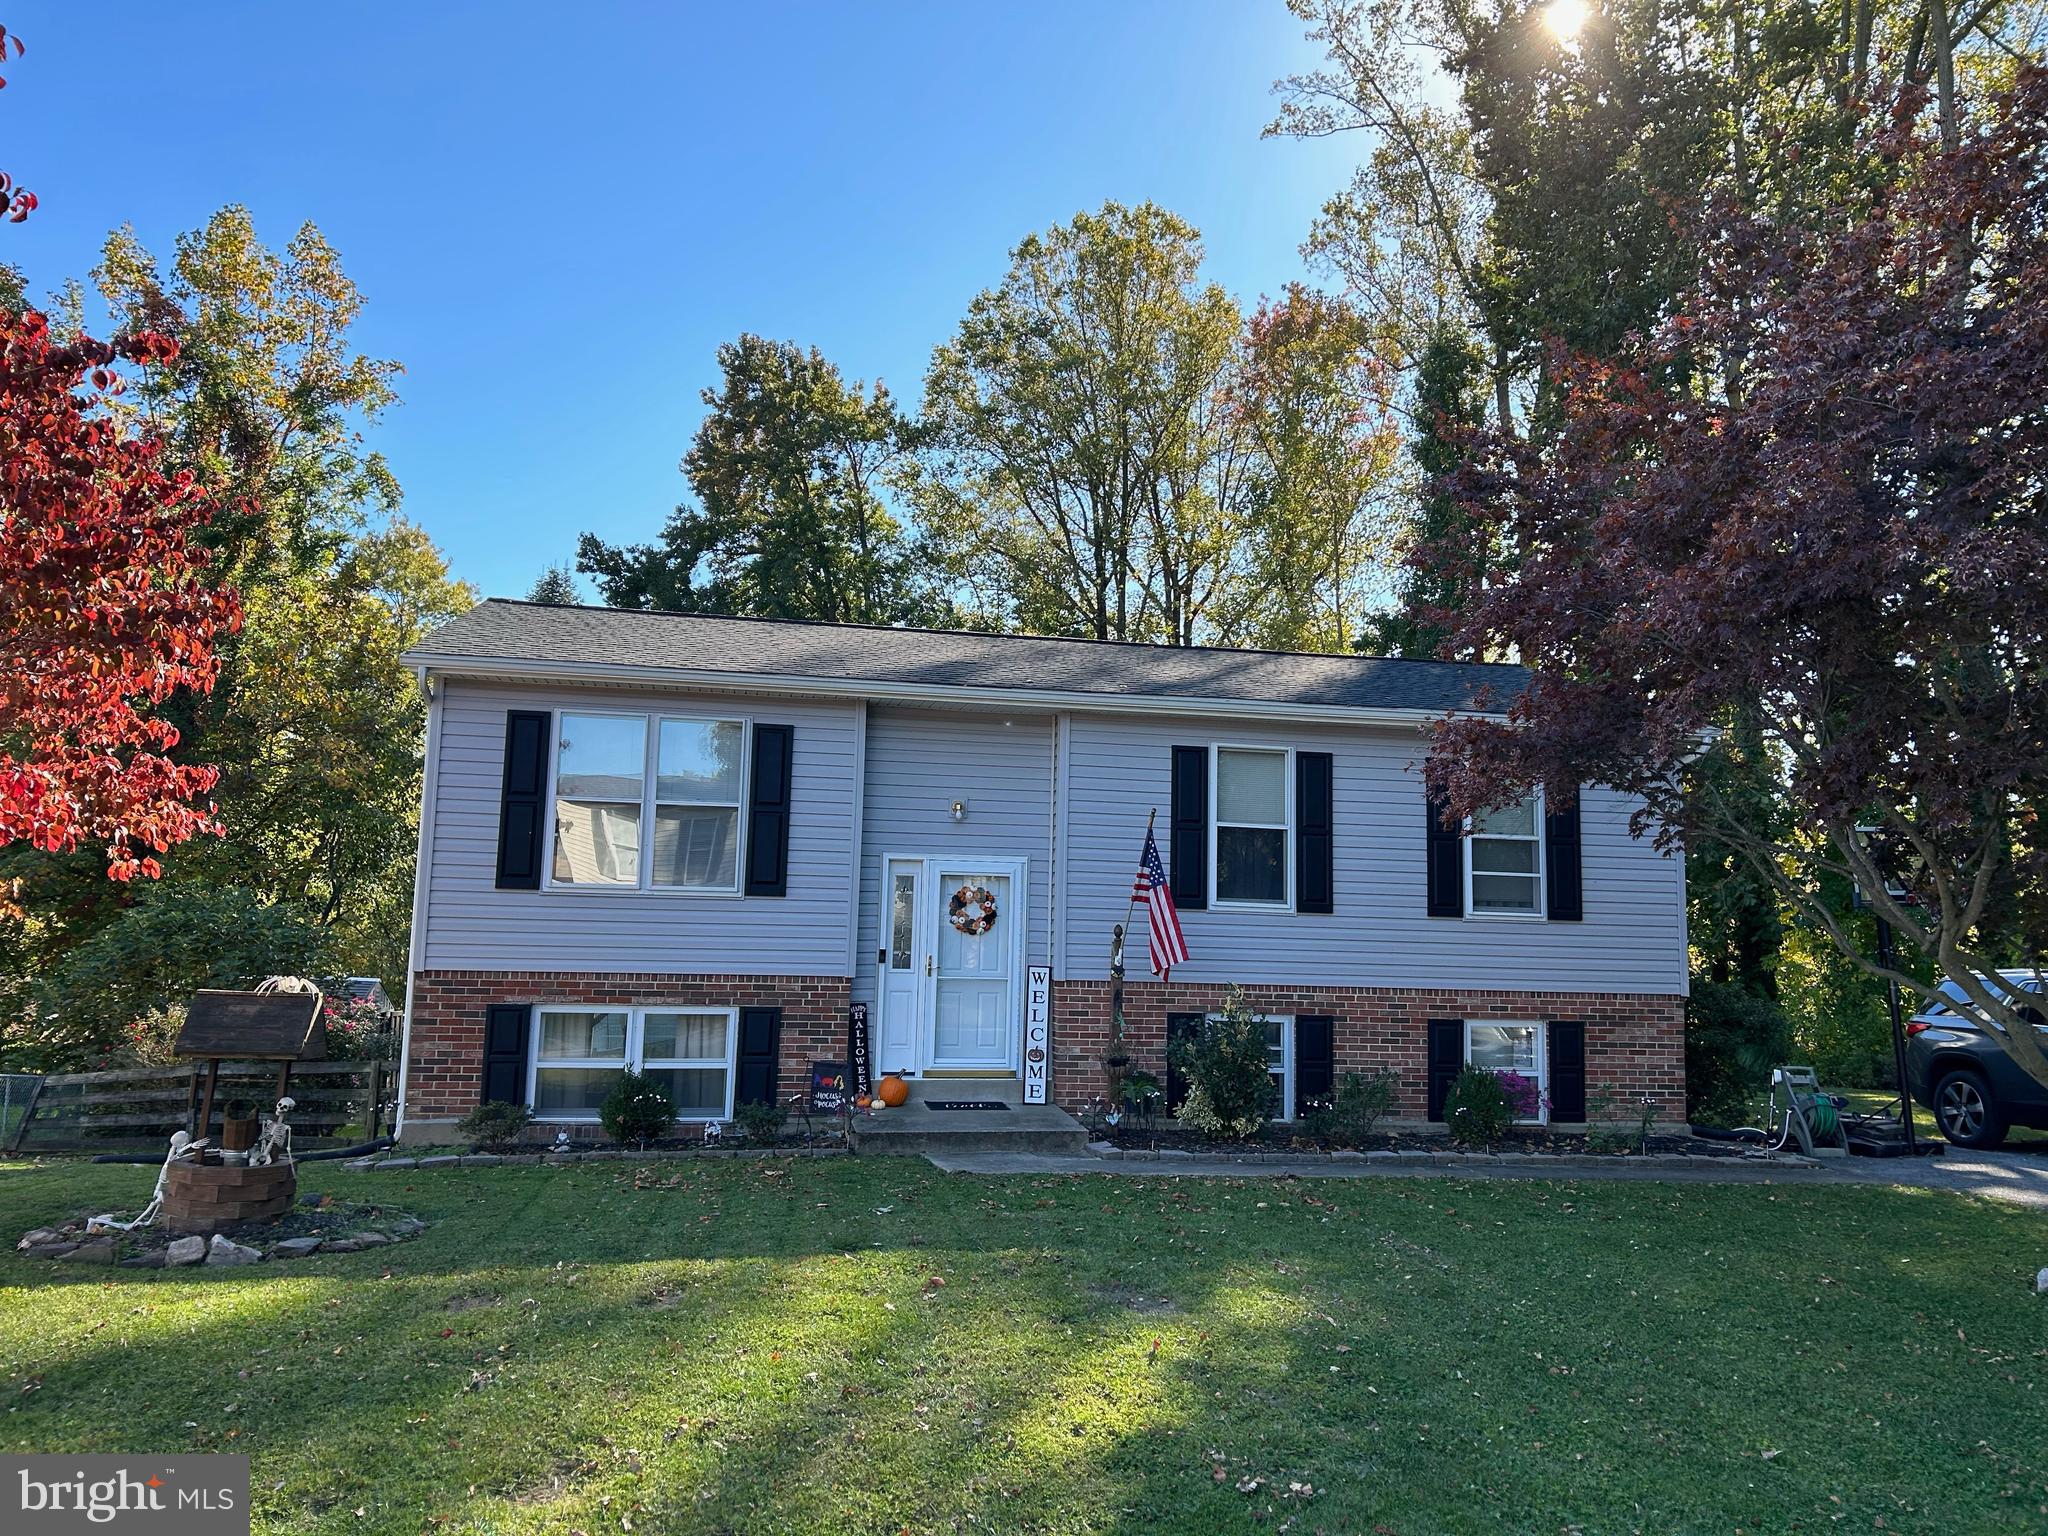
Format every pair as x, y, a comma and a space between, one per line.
521, 798
759, 1055
1561, 863
768, 812
506, 1028
1315, 843
1315, 1058
1179, 1026
1446, 1061
1189, 856
1567, 1046
1446, 858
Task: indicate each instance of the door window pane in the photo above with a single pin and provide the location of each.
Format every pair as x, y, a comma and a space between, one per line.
1251, 787
699, 761
603, 757
1251, 864
696, 847
902, 914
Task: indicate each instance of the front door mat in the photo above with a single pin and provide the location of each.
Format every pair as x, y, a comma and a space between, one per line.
964, 1104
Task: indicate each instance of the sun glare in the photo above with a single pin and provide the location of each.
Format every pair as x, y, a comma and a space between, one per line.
1566, 18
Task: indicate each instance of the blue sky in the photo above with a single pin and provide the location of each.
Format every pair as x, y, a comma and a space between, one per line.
557, 212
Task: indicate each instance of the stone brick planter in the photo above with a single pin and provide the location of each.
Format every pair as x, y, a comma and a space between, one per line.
210, 1197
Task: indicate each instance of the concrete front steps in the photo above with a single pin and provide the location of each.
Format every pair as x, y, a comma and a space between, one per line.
913, 1130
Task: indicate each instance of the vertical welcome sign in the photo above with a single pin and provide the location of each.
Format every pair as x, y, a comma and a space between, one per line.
1037, 1033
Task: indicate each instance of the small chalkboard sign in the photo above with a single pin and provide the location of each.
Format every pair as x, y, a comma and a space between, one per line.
828, 1087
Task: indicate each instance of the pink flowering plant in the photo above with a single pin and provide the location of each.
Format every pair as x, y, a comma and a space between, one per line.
357, 1030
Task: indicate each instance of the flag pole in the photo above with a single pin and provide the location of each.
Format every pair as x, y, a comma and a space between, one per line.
1132, 905
1117, 1057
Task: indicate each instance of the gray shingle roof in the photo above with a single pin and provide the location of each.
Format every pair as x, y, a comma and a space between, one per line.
504, 631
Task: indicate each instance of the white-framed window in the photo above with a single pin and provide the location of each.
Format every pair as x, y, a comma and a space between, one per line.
1515, 1046
1279, 1061
1251, 827
1504, 860
646, 802
577, 1054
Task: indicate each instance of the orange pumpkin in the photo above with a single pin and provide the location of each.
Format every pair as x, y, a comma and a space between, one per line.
892, 1090
860, 1101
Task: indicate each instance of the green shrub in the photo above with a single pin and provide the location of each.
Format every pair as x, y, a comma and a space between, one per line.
1733, 1037
1353, 1111
1230, 1087
1139, 1089
1478, 1109
637, 1110
761, 1122
495, 1127
167, 943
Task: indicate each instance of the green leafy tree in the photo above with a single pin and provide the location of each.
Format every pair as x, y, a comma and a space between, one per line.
1316, 398
790, 471
165, 943
317, 728
1450, 401
556, 584
1086, 468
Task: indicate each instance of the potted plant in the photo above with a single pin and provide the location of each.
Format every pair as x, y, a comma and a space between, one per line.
239, 1126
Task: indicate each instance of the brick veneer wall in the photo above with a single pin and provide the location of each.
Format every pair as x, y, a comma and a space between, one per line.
1635, 1044
445, 1078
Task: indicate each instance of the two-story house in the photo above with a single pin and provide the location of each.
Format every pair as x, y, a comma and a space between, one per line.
693, 844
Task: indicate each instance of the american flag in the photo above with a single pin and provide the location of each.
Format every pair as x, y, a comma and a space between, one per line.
1164, 941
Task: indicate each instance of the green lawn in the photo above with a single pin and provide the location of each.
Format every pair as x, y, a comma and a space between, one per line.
766, 1347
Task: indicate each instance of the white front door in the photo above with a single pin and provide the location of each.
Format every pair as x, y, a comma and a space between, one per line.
974, 983
949, 998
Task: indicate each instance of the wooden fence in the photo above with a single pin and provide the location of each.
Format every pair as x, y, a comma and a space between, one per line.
137, 1108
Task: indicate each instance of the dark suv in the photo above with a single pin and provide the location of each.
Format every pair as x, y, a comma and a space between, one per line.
1976, 1090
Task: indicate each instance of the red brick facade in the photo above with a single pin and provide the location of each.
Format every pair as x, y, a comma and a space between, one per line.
1635, 1044
445, 1077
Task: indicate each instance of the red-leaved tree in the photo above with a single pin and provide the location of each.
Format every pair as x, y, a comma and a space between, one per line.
105, 610
16, 203
1816, 502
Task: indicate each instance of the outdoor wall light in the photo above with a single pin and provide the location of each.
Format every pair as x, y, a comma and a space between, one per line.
959, 810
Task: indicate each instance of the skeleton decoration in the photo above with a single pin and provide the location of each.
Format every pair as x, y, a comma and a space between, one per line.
182, 1145
276, 1137
714, 1134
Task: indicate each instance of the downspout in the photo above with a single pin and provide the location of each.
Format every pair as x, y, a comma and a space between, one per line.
415, 957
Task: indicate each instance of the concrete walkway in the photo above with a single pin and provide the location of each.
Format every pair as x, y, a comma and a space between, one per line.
2019, 1176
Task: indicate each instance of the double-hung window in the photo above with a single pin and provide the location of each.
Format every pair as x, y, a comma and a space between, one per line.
1252, 821
648, 803
1513, 1048
578, 1054
1504, 861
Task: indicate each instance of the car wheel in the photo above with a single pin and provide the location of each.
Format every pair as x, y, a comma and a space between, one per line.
1966, 1111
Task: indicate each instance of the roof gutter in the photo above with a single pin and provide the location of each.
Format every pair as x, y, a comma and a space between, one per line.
510, 669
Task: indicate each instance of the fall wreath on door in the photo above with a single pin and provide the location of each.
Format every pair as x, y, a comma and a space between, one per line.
972, 910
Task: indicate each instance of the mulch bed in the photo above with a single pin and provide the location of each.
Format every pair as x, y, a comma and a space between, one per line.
1279, 1142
